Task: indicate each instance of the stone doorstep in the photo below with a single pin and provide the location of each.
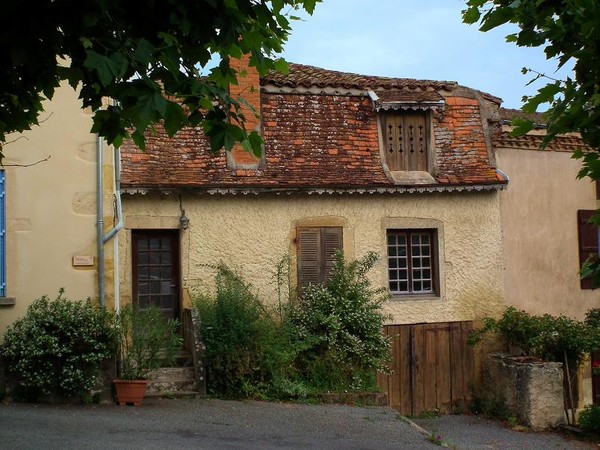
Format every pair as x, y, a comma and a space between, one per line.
172, 382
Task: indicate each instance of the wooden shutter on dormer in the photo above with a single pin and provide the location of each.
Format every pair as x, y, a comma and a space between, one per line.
406, 140
588, 240
316, 253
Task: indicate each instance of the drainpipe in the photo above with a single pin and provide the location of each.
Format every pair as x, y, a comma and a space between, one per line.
104, 238
100, 217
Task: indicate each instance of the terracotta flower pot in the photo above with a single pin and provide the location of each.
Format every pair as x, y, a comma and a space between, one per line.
130, 391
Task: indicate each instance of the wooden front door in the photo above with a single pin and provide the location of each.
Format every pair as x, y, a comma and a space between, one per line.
156, 270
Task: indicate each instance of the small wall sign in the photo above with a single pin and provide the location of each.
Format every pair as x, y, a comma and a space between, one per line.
82, 261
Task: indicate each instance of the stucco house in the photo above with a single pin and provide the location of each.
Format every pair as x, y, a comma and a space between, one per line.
546, 233
361, 163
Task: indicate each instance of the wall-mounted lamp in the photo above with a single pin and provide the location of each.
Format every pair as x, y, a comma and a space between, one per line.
184, 222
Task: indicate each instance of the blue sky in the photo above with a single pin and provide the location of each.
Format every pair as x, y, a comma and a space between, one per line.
422, 39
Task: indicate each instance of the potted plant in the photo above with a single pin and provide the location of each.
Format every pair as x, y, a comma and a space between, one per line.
147, 341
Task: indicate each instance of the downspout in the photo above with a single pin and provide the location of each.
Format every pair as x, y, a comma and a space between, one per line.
100, 220
104, 238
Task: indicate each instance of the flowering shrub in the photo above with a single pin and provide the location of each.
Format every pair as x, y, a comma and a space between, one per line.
331, 340
596, 368
338, 328
58, 346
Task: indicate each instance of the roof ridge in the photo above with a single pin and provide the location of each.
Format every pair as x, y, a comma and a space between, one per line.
307, 76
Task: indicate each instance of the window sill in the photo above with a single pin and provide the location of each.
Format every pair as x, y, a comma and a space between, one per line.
7, 301
412, 177
414, 297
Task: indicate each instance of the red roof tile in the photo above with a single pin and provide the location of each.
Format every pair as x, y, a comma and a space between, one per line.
317, 141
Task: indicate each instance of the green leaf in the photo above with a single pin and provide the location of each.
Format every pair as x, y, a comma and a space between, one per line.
496, 17
521, 126
471, 15
174, 118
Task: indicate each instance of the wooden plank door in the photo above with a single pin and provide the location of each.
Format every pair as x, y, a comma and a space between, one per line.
156, 271
432, 367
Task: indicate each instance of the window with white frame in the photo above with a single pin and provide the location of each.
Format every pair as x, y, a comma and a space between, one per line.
412, 261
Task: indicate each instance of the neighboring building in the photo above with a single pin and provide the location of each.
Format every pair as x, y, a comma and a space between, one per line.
546, 234
398, 166
48, 209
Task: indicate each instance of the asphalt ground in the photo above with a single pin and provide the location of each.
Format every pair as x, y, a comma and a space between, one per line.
218, 424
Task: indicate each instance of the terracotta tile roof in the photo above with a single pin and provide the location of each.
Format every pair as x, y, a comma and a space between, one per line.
507, 114
315, 141
309, 76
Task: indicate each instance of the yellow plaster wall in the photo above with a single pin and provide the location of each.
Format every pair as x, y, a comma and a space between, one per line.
51, 206
539, 216
253, 233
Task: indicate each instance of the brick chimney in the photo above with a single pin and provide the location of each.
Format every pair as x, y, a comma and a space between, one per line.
248, 87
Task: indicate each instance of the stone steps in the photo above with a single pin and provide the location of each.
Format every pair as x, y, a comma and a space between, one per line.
172, 382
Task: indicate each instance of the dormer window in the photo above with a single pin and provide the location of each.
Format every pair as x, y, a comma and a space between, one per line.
406, 134
406, 140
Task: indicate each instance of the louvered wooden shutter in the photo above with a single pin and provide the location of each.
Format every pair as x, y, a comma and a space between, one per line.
331, 239
406, 140
309, 250
588, 240
316, 253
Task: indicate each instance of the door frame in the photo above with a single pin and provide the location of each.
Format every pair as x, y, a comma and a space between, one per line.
175, 236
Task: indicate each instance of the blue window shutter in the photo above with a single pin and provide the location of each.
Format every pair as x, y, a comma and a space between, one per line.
2, 234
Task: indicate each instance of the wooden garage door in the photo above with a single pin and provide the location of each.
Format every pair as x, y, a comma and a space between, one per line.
432, 367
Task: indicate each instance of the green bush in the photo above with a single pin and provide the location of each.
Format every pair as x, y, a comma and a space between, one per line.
58, 347
331, 340
338, 329
245, 349
589, 419
547, 337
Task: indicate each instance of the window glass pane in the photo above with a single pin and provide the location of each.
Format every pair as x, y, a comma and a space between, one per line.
417, 286
143, 272
402, 239
142, 244
143, 288
166, 258
402, 251
391, 239
425, 251
403, 286
155, 273
403, 274
415, 239
394, 286
427, 274
165, 272
416, 250
393, 263
392, 251
154, 243
403, 263
165, 243
143, 258
425, 239
416, 262
155, 287
427, 285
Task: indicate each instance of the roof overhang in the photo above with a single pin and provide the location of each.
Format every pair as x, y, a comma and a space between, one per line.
251, 191
406, 100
